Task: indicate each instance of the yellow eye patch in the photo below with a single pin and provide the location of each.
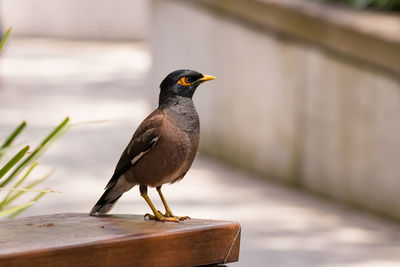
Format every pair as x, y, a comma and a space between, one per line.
182, 81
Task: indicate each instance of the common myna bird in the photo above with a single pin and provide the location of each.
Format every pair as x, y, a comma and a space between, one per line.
163, 147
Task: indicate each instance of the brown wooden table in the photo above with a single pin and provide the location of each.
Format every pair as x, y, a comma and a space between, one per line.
77, 239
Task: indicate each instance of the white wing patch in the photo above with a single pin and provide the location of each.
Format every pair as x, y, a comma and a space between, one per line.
135, 159
141, 154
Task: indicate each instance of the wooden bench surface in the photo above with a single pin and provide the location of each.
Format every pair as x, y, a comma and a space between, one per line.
77, 239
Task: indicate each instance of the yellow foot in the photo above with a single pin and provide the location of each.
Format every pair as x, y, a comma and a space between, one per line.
161, 218
170, 215
182, 218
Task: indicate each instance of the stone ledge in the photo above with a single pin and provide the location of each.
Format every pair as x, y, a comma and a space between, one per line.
373, 37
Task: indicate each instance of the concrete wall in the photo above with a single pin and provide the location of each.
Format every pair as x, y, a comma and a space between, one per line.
286, 106
88, 19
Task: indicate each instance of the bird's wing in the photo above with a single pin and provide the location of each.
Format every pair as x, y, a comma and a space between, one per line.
144, 139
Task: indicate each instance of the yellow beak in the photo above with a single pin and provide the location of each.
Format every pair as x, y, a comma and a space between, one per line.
206, 78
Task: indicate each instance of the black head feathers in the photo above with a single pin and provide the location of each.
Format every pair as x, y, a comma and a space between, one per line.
181, 83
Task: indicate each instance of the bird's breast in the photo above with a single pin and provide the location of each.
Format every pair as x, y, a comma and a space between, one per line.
170, 159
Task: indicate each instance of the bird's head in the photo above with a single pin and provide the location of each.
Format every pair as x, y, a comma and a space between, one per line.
181, 83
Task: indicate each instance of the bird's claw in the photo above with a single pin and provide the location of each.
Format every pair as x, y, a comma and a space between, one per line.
165, 217
161, 218
182, 218
169, 214
149, 216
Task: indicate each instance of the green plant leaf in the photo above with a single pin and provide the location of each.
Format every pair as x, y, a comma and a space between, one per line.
35, 199
84, 123
4, 38
21, 163
26, 174
56, 133
30, 190
8, 201
11, 138
14, 134
13, 161
20, 181
16, 209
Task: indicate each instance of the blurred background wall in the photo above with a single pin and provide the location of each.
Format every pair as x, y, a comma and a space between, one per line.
89, 19
306, 94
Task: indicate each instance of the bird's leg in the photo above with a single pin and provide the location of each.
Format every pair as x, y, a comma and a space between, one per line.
157, 215
168, 212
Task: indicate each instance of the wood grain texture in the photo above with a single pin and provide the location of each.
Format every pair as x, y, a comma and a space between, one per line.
76, 239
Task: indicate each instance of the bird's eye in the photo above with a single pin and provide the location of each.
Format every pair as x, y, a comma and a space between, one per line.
185, 81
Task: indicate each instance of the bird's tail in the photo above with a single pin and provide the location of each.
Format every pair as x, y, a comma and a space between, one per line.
110, 197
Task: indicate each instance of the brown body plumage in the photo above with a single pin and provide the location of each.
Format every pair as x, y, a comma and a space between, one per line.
162, 148
176, 150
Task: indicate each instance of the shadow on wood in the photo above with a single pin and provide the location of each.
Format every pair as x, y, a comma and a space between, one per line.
73, 239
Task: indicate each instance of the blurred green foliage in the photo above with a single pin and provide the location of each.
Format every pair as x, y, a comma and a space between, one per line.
389, 5
4, 38
16, 169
